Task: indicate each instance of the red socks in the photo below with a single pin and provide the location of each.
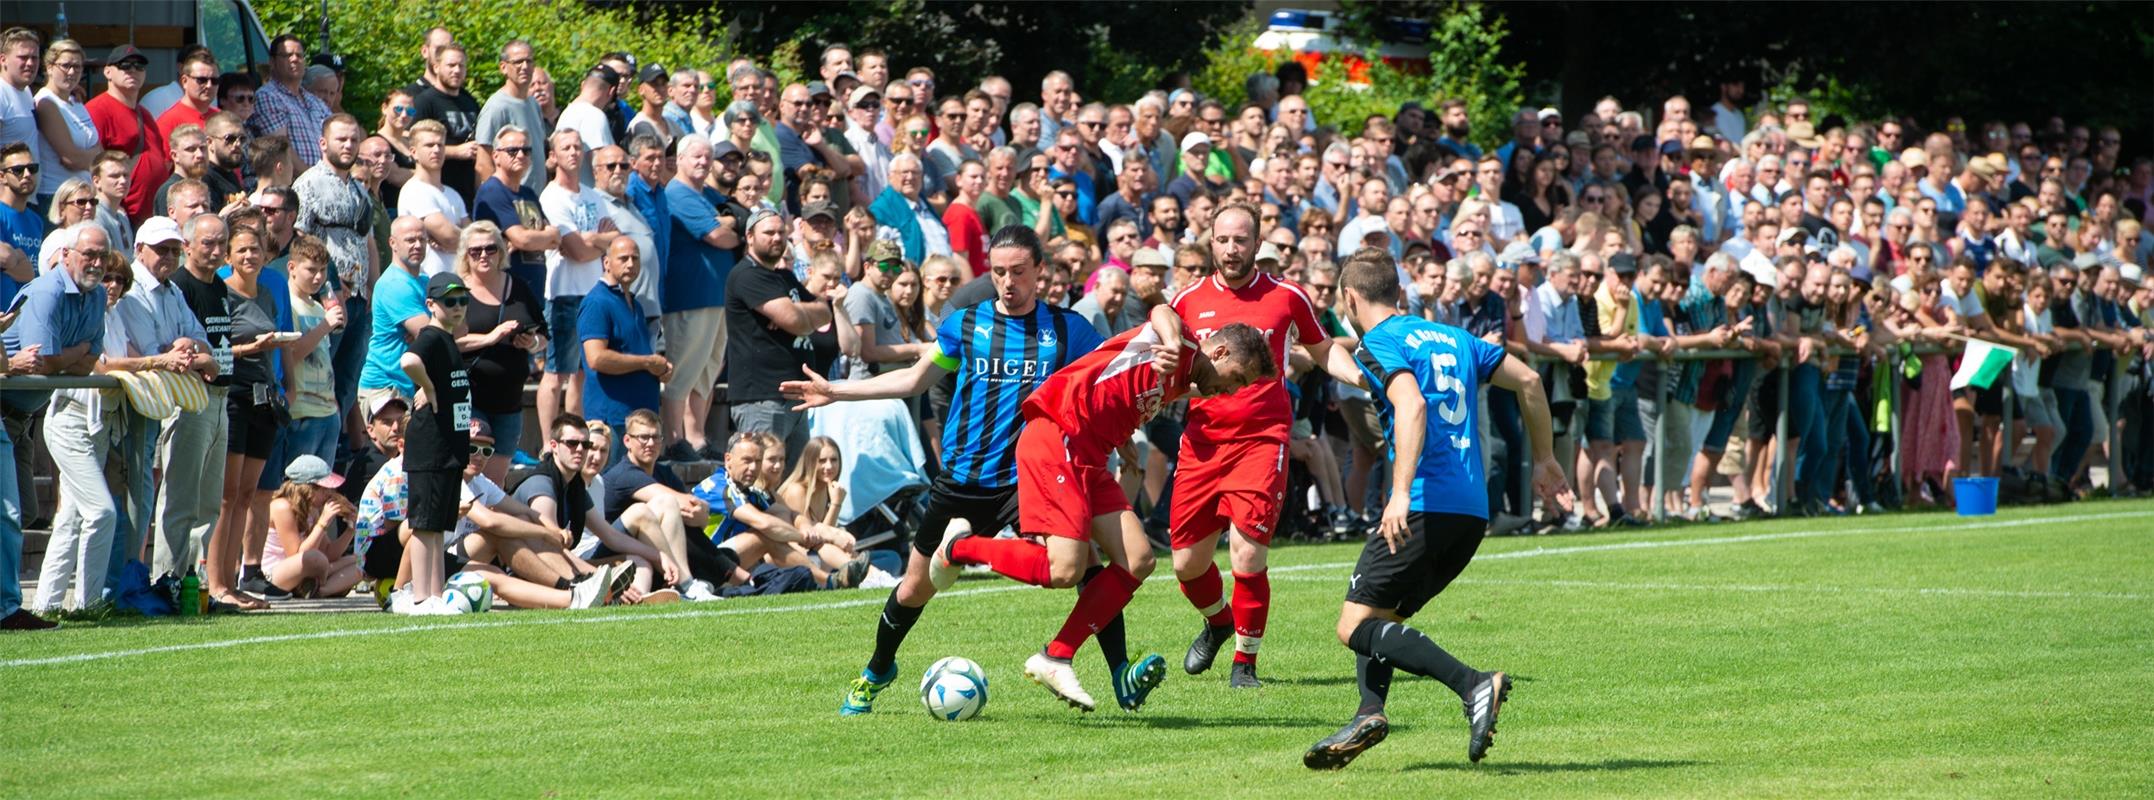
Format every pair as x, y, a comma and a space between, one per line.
1097, 604
1020, 560
1208, 595
1252, 605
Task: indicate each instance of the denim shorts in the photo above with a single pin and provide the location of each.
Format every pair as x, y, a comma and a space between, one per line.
1616, 418
564, 354
508, 429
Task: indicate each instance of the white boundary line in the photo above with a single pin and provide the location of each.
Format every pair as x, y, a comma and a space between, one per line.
603, 619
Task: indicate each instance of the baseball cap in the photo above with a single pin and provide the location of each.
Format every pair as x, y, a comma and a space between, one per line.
819, 208
480, 427
606, 73
382, 401
1194, 140
1024, 159
1517, 253
1671, 148
1643, 142
885, 250
122, 53
1703, 144
818, 89
331, 60
444, 284
651, 73
2086, 261
156, 231
312, 469
1796, 235
722, 149
1150, 257
1623, 264
2130, 273
861, 92
1269, 252
1551, 114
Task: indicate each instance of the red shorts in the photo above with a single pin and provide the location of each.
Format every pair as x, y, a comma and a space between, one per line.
1237, 482
1062, 482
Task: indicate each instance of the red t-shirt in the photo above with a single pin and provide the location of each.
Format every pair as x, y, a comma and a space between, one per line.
1285, 315
132, 131
1110, 391
180, 114
967, 234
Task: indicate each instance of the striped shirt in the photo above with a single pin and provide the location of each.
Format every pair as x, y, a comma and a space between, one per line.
1705, 312
999, 360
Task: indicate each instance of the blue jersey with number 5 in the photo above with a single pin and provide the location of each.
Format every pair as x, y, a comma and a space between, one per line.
1449, 365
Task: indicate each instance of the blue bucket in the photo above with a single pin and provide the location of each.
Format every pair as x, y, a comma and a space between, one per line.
1977, 497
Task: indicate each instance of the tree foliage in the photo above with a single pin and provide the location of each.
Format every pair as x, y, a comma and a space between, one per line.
380, 39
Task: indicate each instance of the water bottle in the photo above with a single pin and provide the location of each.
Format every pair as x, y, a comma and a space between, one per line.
190, 599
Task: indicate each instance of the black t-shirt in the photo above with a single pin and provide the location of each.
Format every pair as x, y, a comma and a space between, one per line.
509, 207
440, 434
460, 114
759, 355
206, 299
498, 371
249, 319
366, 461
624, 480
572, 499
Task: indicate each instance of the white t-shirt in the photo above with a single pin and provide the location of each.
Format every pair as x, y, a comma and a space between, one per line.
18, 120
576, 212
482, 491
2027, 366
418, 199
1967, 307
588, 122
81, 131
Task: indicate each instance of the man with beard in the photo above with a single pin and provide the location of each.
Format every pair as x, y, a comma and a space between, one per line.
444, 100
227, 152
1166, 218
769, 315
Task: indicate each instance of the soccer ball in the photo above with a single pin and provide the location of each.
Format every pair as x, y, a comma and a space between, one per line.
954, 689
468, 592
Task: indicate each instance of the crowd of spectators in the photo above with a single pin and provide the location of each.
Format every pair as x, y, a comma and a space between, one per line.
278, 290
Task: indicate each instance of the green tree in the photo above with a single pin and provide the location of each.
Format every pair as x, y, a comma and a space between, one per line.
380, 39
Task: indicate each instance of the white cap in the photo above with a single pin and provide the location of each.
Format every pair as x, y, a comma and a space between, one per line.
1194, 139
2130, 273
156, 231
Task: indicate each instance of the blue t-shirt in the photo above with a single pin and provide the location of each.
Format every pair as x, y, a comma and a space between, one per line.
26, 231
398, 296
612, 315
695, 271
724, 496
651, 203
999, 360
1449, 365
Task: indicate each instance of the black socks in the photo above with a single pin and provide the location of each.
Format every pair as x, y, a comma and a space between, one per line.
890, 629
1399, 645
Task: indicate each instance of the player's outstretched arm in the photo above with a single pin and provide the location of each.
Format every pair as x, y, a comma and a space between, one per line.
1340, 363
1533, 405
818, 391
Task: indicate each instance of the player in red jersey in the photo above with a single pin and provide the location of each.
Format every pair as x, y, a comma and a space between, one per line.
1067, 497
1232, 469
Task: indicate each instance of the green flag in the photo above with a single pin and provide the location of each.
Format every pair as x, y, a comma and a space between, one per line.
1982, 364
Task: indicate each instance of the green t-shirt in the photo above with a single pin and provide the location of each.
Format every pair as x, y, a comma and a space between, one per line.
995, 213
1029, 212
766, 142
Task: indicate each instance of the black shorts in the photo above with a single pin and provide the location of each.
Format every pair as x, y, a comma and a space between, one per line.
1438, 549
1765, 405
386, 553
1990, 402
988, 511
434, 496
253, 431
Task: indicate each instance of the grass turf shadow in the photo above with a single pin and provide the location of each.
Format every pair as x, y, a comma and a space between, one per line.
1543, 767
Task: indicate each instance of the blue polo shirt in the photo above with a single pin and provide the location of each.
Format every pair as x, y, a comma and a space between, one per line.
610, 314
695, 271
54, 315
651, 203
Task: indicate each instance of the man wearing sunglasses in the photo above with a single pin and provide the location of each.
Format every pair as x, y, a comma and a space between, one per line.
122, 125
198, 95
863, 115
22, 231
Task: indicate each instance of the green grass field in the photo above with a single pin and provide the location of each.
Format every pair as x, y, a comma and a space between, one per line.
1909, 655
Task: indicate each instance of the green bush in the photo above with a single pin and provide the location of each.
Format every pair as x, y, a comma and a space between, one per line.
1464, 49
380, 39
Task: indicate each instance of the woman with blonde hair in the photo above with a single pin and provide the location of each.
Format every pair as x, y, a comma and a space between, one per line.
503, 328
306, 554
71, 140
73, 203
813, 490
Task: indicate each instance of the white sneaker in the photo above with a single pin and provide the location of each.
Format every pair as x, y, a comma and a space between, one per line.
436, 606
700, 591
591, 591
400, 602
878, 579
1574, 523
940, 572
1059, 679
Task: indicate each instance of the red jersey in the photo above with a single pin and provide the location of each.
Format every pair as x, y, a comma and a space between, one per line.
132, 131
1285, 315
967, 234
1106, 394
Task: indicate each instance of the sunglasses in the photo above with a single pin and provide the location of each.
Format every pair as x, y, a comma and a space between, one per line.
611, 165
453, 301
130, 66
514, 151
21, 169
573, 444
83, 202
232, 138
483, 250
201, 80
482, 451
646, 438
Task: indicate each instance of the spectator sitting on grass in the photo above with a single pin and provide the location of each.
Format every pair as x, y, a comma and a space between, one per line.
745, 524
305, 554
556, 493
645, 498
813, 491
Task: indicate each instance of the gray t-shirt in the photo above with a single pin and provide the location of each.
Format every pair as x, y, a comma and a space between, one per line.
501, 111
2074, 367
871, 311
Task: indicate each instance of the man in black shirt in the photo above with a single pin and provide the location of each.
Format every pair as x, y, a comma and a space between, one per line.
769, 316
444, 100
556, 493
647, 499
386, 415
194, 441
440, 441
